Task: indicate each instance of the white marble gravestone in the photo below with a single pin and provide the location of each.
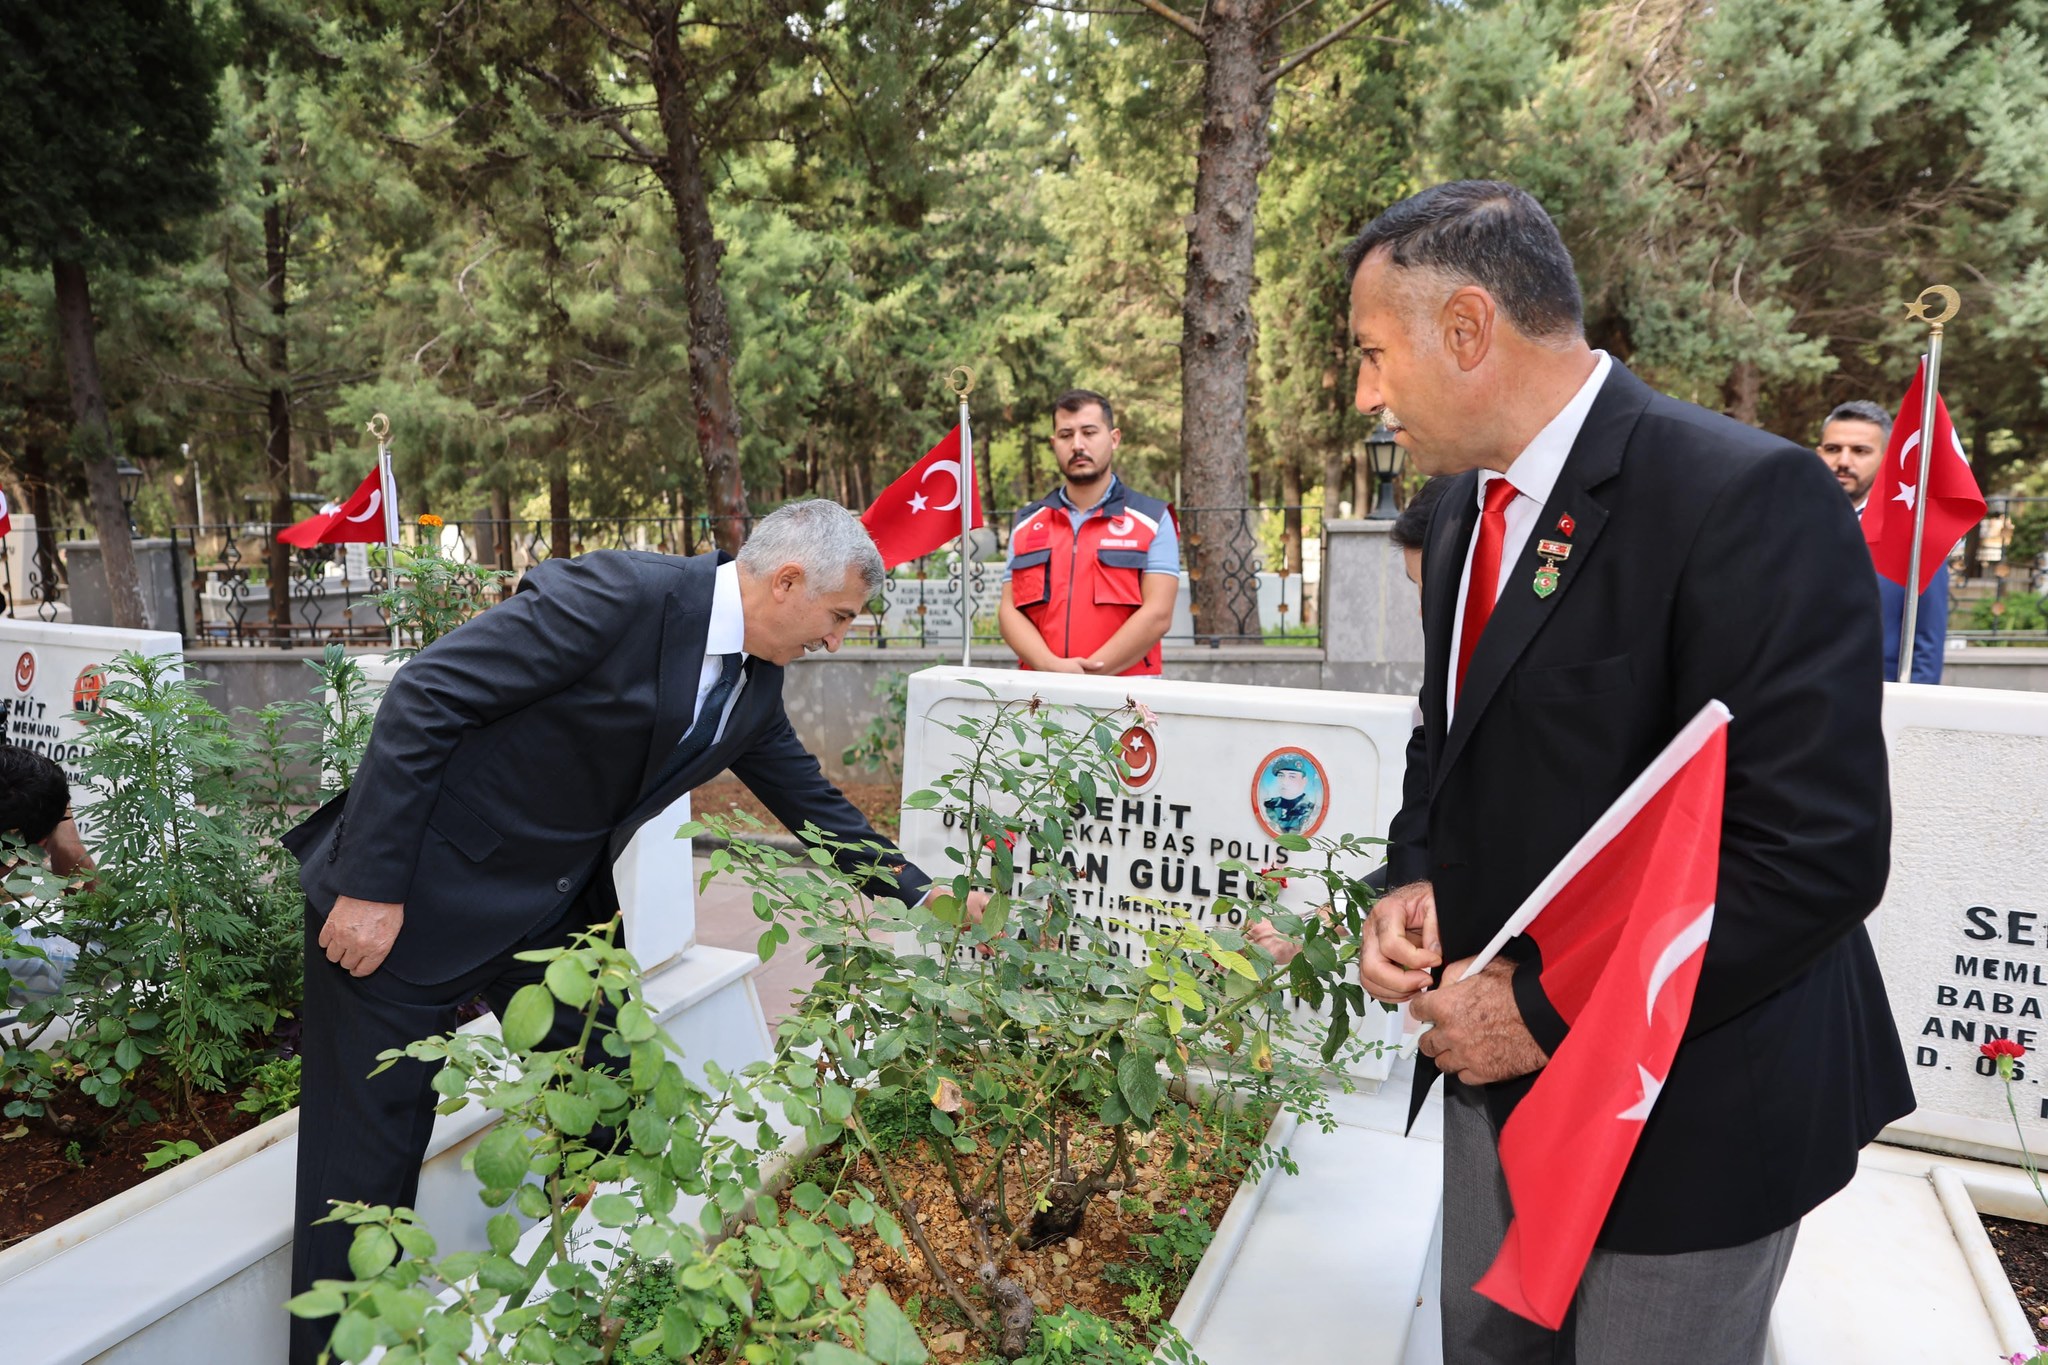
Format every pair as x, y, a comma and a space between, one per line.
1962, 933
51, 688
1204, 789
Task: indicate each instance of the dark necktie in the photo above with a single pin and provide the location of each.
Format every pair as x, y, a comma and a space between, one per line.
1484, 583
693, 744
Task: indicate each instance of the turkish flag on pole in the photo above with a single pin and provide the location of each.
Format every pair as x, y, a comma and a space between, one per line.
359, 520
921, 510
1954, 503
1622, 923
6, 514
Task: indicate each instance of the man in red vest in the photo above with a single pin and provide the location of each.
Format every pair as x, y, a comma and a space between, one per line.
1093, 565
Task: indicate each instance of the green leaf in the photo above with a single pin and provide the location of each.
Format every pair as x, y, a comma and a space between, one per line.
1293, 843
571, 982
807, 1197
923, 799
832, 1353
503, 1232
355, 1336
614, 1210
573, 1114
837, 1102
635, 1024
891, 1340
1137, 1078
372, 1251
502, 1157
316, 1303
127, 1055
528, 1018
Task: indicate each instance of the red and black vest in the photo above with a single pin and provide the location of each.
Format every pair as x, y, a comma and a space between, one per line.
1079, 587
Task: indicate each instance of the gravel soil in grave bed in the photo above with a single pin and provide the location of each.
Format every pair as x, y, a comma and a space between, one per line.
1095, 1269
881, 802
2022, 1249
48, 1176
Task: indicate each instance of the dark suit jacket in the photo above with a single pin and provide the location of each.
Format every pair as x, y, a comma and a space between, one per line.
1709, 560
513, 759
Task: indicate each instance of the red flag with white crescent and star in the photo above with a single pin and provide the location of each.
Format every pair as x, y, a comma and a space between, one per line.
6, 514
1954, 502
360, 520
921, 510
1623, 933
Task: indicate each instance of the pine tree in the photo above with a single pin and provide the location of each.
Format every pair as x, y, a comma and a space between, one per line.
106, 153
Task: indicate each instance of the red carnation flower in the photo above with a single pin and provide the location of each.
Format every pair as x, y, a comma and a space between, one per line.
2003, 1047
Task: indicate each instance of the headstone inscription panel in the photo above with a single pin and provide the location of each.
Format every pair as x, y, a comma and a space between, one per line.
1217, 778
1962, 933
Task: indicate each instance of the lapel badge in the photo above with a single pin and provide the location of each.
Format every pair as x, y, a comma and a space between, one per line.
1565, 524
1550, 551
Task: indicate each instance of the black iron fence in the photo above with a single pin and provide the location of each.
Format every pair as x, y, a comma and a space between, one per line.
237, 585
1997, 597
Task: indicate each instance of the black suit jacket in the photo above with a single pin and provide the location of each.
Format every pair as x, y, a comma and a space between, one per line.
1709, 560
512, 760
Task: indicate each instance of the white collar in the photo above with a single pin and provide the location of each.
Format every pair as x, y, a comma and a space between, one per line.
1535, 470
727, 633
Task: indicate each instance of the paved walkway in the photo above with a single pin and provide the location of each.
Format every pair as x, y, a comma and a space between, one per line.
725, 919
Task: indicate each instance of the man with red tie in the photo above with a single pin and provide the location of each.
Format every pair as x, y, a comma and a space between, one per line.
1606, 561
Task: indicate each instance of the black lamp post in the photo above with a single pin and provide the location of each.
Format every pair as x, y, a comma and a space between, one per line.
131, 484
1385, 456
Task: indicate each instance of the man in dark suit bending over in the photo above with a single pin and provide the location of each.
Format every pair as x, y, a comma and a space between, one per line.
1605, 562
510, 764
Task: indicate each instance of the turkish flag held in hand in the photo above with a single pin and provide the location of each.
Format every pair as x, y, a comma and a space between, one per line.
1954, 503
921, 510
1622, 924
359, 520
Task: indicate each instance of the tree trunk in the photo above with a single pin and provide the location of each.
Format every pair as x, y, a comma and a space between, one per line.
95, 443
36, 473
1290, 520
682, 174
1745, 391
277, 447
1361, 485
1216, 321
559, 531
501, 526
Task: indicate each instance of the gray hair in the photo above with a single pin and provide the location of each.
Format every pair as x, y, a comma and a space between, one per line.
824, 539
1488, 233
1861, 410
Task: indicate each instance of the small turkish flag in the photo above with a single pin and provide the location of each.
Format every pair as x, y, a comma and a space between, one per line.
359, 520
1954, 503
1622, 924
6, 514
921, 510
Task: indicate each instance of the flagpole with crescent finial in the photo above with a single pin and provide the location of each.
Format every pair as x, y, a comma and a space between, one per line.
1930, 391
379, 427
961, 381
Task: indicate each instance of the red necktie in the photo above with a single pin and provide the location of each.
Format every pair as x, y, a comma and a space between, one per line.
1485, 579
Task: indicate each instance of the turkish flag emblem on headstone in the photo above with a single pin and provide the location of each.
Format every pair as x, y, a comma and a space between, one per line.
1954, 502
1622, 924
921, 510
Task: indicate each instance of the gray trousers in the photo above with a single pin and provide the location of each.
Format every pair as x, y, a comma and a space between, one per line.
1693, 1308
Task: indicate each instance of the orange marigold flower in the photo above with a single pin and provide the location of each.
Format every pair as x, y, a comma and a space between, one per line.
428, 519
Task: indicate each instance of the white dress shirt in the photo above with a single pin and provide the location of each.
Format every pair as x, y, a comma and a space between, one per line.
727, 634
1534, 474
